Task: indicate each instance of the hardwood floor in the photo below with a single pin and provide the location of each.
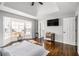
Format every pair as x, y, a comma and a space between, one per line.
60, 49
56, 48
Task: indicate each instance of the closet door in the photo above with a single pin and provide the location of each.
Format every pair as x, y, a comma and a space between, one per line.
69, 38
69, 30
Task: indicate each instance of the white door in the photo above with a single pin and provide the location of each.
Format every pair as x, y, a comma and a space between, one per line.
69, 30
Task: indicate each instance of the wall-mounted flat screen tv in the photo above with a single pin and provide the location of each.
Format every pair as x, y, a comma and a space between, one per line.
53, 22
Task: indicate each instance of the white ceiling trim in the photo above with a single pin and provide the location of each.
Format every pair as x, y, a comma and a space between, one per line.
13, 11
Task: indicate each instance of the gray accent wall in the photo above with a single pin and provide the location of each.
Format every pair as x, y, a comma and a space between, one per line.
2, 14
34, 28
0, 2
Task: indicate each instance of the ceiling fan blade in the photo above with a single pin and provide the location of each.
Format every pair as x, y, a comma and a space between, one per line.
41, 3
32, 3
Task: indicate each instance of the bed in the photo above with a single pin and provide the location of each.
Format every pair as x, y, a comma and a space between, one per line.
24, 48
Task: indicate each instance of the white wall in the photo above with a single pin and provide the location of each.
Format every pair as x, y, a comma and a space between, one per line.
78, 35
77, 14
54, 29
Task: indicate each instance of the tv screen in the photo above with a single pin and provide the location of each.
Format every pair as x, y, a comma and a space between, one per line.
53, 22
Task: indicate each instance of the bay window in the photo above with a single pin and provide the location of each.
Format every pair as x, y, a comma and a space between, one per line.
13, 28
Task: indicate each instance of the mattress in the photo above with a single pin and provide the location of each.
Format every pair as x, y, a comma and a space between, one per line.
24, 48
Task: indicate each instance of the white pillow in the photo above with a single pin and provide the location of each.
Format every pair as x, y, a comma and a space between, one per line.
16, 44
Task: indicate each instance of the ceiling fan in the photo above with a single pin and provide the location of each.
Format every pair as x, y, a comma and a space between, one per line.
38, 2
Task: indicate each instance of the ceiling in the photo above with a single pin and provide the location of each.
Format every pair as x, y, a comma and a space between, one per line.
58, 8
45, 9
67, 7
23, 6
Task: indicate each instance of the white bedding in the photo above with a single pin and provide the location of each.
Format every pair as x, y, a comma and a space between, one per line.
24, 49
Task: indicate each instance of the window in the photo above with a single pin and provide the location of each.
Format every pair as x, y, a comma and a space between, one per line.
14, 27
28, 26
